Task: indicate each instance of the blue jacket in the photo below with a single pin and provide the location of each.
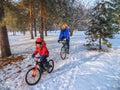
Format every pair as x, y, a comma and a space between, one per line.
65, 34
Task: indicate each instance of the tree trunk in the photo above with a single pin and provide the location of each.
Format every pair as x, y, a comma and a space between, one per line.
4, 42
100, 47
42, 21
45, 29
71, 32
41, 30
31, 31
14, 32
1, 10
35, 28
31, 17
45, 32
24, 32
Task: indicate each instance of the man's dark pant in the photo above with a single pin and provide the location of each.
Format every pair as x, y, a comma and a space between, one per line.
68, 44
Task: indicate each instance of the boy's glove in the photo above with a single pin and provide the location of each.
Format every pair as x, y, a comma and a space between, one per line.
33, 55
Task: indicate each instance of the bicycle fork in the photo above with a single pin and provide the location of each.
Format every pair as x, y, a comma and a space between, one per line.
34, 71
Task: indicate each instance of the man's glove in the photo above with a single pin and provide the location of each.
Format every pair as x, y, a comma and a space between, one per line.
58, 41
67, 40
33, 55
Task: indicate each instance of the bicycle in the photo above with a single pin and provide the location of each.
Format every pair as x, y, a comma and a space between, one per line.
33, 75
64, 48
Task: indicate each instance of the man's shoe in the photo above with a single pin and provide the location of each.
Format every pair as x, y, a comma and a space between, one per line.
67, 51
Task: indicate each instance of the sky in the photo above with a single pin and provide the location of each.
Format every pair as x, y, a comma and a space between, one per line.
87, 3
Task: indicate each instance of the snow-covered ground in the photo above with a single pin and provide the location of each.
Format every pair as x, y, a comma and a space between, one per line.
81, 70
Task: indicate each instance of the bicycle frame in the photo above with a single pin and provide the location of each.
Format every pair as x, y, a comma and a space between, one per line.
64, 43
36, 71
63, 51
38, 64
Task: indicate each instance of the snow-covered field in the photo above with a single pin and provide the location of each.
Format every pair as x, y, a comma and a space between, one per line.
81, 70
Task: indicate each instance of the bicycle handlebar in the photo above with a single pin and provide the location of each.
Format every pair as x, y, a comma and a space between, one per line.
37, 59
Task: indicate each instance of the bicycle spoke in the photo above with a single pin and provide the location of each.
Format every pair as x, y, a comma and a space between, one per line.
33, 76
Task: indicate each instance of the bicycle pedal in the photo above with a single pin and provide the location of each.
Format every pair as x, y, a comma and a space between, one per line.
43, 69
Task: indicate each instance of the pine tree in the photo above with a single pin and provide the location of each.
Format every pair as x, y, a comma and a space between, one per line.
117, 10
103, 25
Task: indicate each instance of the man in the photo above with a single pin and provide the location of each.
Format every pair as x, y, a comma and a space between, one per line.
64, 34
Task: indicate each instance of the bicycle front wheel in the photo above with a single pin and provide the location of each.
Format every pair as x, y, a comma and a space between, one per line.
63, 53
33, 76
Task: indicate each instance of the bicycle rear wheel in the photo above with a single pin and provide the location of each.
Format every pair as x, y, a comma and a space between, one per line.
63, 53
33, 76
50, 66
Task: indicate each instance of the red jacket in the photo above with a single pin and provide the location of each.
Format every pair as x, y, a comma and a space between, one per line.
43, 51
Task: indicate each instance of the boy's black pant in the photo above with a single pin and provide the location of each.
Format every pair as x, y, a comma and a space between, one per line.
43, 62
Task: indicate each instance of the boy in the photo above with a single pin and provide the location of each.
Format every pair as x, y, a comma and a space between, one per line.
41, 49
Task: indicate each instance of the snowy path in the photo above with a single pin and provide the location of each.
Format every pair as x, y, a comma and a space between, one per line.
82, 70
